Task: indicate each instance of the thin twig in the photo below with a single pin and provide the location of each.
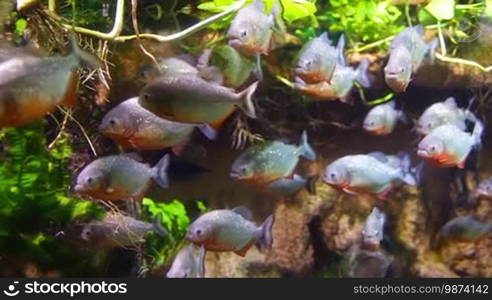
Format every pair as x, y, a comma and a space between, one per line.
461, 61
62, 128
137, 31
81, 129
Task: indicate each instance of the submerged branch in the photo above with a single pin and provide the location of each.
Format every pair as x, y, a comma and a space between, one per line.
462, 61
188, 31
115, 32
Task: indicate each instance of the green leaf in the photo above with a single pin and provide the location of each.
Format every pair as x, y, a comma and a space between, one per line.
488, 8
441, 9
20, 26
297, 9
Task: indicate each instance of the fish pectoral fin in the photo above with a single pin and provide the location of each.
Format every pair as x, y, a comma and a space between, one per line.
350, 192
242, 252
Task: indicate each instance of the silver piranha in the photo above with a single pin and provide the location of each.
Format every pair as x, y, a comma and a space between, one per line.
449, 146
373, 231
341, 84
484, 189
441, 113
464, 229
230, 230
407, 53
318, 59
134, 127
270, 161
32, 86
119, 177
188, 263
366, 174
117, 230
382, 119
191, 99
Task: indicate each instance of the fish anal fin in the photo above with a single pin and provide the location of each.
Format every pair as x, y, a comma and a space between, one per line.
70, 97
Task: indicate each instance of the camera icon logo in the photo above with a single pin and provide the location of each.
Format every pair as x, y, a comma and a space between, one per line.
11, 290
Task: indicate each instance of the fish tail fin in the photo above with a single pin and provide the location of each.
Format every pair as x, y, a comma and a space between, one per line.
208, 131
265, 238
158, 228
478, 132
247, 100
305, 149
362, 73
160, 171
84, 58
311, 184
201, 261
407, 175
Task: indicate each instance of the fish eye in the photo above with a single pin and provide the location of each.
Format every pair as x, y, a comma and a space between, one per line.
112, 122
309, 63
429, 125
198, 232
433, 148
185, 275
90, 180
244, 33
146, 96
402, 70
333, 175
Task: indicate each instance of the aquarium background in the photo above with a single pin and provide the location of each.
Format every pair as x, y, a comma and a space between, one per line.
313, 234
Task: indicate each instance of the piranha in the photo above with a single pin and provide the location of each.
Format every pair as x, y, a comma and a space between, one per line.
464, 229
118, 230
367, 174
382, 119
134, 127
369, 264
31, 86
407, 53
188, 263
318, 59
191, 99
270, 161
291, 186
441, 113
341, 84
449, 146
373, 231
119, 177
230, 230
251, 31
484, 188
235, 68
182, 65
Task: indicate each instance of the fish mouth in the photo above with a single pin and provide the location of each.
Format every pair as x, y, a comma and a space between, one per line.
423, 153
234, 42
235, 175
78, 188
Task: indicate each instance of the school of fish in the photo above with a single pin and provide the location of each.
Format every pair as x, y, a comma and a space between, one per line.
181, 96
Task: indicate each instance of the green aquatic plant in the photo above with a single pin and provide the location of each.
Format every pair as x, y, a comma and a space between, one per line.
362, 20
34, 184
174, 217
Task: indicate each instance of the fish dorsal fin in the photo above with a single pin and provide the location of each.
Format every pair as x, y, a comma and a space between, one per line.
419, 29
244, 212
451, 102
324, 37
260, 5
379, 156
340, 48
